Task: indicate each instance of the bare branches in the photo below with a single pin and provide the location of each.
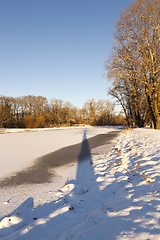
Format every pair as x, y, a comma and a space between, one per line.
37, 112
134, 64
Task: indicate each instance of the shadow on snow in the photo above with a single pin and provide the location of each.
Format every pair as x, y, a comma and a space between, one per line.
86, 212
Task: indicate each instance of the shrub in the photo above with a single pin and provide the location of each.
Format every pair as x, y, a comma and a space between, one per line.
40, 122
28, 121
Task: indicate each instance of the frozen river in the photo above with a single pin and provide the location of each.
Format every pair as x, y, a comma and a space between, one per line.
19, 151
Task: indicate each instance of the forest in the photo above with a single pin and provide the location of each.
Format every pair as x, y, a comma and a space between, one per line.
37, 112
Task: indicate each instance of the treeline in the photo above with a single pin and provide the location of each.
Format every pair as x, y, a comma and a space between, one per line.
37, 112
134, 63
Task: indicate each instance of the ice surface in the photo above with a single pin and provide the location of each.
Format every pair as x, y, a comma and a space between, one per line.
20, 149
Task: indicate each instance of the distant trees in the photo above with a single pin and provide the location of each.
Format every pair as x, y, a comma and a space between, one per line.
99, 113
134, 63
36, 112
5, 113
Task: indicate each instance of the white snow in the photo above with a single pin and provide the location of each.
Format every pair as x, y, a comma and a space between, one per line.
117, 197
20, 149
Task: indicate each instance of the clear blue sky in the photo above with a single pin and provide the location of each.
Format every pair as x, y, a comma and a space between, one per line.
56, 48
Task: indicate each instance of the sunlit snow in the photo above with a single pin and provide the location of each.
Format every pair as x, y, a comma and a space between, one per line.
115, 197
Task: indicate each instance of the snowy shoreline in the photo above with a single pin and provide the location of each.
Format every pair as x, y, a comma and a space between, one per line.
22, 130
116, 197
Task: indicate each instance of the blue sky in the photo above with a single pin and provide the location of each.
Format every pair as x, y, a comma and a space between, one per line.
56, 48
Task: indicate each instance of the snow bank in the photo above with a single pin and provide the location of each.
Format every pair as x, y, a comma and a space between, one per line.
115, 197
19, 130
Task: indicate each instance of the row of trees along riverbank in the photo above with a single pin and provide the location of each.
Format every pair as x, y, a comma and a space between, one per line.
134, 62
36, 112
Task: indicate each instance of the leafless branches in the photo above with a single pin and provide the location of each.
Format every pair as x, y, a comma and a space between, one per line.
134, 64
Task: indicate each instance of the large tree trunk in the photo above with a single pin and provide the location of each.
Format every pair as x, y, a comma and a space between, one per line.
153, 117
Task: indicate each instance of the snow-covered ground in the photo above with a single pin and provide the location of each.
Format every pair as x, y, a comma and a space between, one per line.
117, 197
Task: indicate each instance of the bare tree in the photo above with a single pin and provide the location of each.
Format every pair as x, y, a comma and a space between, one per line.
56, 108
134, 64
5, 112
90, 109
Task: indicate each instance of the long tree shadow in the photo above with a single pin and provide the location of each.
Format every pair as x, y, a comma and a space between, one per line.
80, 211
43, 169
68, 202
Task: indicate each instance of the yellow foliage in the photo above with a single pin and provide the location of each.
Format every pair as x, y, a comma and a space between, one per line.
34, 122
39, 122
28, 121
